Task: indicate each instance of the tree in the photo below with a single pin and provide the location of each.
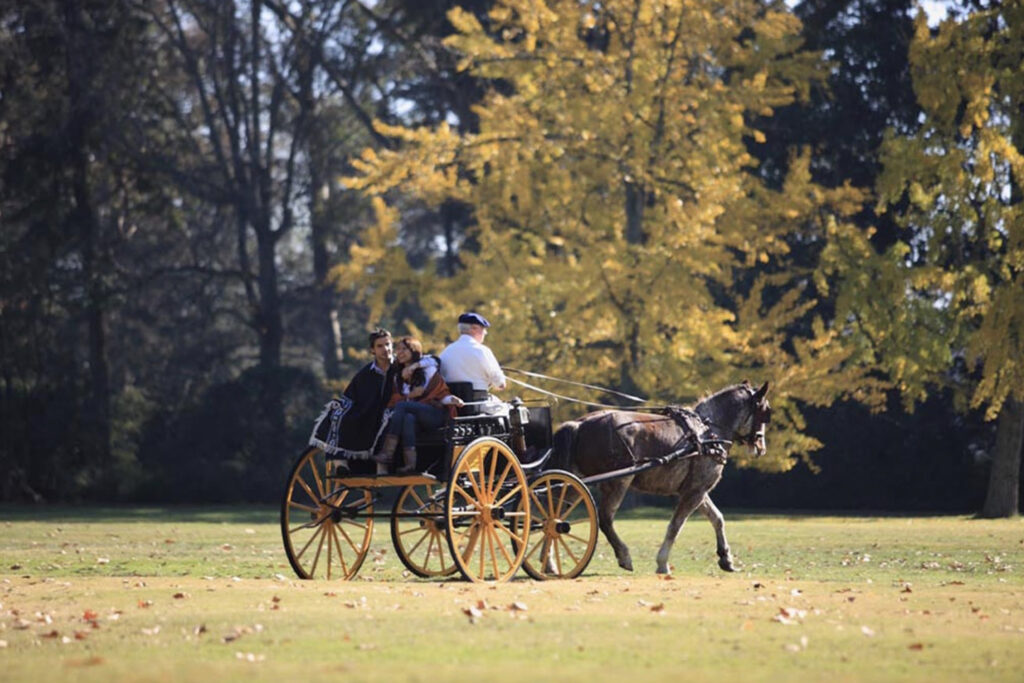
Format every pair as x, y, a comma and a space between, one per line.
616, 206
954, 187
67, 76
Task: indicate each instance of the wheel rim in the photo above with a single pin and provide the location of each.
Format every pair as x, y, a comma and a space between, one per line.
326, 528
421, 542
563, 527
487, 513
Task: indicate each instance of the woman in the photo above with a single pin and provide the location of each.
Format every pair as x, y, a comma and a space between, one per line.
420, 400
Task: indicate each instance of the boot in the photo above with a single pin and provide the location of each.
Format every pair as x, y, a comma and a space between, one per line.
408, 461
386, 455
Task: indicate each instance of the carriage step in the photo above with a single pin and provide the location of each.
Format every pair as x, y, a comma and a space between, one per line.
370, 482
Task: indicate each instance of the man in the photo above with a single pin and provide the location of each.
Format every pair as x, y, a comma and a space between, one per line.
348, 427
467, 359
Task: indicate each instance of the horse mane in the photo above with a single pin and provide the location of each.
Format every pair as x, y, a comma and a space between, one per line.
708, 397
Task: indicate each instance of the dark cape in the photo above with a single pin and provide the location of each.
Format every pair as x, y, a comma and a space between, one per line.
349, 425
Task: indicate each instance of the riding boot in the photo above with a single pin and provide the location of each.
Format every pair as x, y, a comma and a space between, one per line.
386, 455
408, 460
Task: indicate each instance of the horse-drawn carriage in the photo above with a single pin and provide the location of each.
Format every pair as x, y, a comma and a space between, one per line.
493, 497
484, 506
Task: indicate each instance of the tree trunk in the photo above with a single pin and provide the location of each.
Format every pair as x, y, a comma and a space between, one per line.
326, 323
635, 200
268, 324
1003, 495
86, 222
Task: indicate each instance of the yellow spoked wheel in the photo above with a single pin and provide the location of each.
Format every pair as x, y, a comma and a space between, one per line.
563, 527
487, 512
421, 542
326, 527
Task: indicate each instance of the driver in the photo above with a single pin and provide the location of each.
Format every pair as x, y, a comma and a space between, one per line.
467, 359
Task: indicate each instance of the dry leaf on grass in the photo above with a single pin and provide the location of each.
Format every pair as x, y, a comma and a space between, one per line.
789, 616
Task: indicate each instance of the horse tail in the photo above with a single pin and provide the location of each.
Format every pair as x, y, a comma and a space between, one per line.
563, 445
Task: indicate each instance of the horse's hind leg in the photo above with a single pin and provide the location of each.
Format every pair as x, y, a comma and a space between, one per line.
687, 504
714, 516
612, 493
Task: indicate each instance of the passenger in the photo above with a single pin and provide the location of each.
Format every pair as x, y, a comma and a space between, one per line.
467, 359
349, 426
420, 399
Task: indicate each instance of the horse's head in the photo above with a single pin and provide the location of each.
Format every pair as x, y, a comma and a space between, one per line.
760, 416
741, 413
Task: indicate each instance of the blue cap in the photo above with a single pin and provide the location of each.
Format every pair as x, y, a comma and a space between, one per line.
474, 319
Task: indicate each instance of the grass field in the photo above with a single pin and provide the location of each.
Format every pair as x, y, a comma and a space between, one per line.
184, 594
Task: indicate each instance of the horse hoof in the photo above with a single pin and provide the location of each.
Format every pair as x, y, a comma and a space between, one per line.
627, 565
662, 570
726, 565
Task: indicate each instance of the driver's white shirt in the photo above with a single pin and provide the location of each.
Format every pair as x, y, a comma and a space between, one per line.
467, 360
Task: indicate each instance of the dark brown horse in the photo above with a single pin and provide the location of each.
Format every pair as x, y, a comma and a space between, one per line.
611, 440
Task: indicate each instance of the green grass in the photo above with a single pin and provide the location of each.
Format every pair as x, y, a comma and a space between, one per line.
188, 594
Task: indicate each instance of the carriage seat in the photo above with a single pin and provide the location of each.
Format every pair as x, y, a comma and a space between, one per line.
467, 393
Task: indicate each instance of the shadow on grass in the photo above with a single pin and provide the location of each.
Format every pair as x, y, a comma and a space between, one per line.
142, 514
268, 514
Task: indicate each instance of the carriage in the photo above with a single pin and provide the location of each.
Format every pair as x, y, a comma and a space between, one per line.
489, 500
484, 505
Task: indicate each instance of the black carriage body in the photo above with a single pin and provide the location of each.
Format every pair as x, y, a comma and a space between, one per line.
526, 430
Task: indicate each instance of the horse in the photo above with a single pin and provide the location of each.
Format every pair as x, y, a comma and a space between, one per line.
610, 440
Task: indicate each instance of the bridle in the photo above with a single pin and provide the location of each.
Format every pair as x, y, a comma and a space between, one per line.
761, 416
759, 420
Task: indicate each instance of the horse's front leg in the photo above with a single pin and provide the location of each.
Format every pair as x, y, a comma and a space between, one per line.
612, 493
714, 516
688, 502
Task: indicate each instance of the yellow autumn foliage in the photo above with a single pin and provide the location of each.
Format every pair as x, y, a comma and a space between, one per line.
618, 223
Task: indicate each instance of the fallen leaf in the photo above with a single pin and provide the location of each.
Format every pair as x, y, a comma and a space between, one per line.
199, 630
81, 635
517, 607
250, 657
868, 631
659, 608
50, 634
90, 616
143, 604
916, 646
102, 560
180, 596
88, 661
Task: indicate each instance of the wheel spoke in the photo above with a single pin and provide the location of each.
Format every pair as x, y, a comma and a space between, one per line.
515, 491
330, 546
312, 538
561, 502
565, 514
316, 476
501, 546
489, 483
418, 543
319, 549
312, 496
561, 541
341, 555
533, 496
419, 501
302, 506
494, 556
348, 538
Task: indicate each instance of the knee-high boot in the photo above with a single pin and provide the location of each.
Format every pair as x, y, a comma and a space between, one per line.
408, 461
386, 455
